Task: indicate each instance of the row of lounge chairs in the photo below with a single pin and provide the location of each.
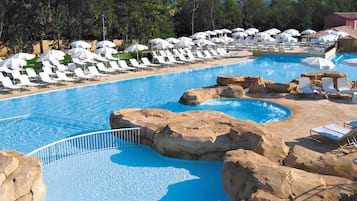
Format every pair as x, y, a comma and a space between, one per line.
183, 56
342, 86
340, 134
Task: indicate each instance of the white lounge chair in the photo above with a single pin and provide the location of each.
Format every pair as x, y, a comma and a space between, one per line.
351, 123
136, 64
328, 86
184, 59
94, 71
343, 86
110, 57
25, 81
80, 74
63, 77
47, 79
116, 66
147, 62
102, 68
125, 66
7, 83
162, 61
173, 60
79, 62
48, 70
305, 86
31, 73
15, 75
336, 133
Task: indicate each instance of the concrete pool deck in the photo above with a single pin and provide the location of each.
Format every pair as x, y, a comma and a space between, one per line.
307, 112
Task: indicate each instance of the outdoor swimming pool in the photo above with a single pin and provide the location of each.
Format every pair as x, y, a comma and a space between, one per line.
38, 120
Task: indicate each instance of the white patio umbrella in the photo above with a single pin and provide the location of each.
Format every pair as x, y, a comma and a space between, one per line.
251, 31
184, 43
24, 56
163, 45
156, 40
351, 62
292, 32
136, 48
86, 55
172, 40
51, 55
199, 35
106, 50
105, 43
308, 32
204, 42
272, 31
318, 62
13, 63
239, 35
80, 44
238, 29
217, 40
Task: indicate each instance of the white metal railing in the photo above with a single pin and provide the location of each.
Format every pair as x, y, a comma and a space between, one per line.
87, 143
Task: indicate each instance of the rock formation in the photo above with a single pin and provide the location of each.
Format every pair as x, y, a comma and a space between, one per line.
257, 164
20, 177
198, 134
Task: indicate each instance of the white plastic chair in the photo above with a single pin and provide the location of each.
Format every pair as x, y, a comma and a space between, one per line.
25, 81
79, 73
63, 77
104, 69
7, 83
31, 73
146, 61
94, 71
47, 79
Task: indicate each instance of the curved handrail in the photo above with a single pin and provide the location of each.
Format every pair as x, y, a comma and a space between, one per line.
87, 143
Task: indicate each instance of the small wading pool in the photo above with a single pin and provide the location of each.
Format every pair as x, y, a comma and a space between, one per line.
258, 111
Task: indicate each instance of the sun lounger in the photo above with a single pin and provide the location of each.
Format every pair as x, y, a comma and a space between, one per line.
63, 77
305, 86
25, 81
125, 66
136, 64
94, 71
15, 74
103, 69
173, 60
146, 61
335, 132
343, 86
162, 61
115, 66
328, 86
48, 70
47, 79
7, 83
80, 74
351, 123
31, 73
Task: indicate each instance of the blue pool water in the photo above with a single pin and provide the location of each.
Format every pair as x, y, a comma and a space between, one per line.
136, 173
38, 120
95, 103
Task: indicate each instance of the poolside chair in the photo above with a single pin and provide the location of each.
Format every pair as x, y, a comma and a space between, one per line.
147, 62
184, 59
94, 71
47, 79
79, 62
25, 81
115, 66
31, 73
328, 86
208, 55
102, 68
350, 123
305, 86
7, 83
162, 61
80, 74
343, 86
336, 133
15, 74
173, 60
110, 57
63, 77
136, 64
125, 66
48, 70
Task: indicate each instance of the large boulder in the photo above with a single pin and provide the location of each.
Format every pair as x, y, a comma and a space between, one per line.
198, 134
327, 163
20, 177
198, 96
255, 84
249, 176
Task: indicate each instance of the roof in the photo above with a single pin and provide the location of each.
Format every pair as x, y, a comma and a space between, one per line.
351, 32
347, 15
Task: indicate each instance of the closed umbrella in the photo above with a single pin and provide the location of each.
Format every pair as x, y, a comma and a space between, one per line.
318, 62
